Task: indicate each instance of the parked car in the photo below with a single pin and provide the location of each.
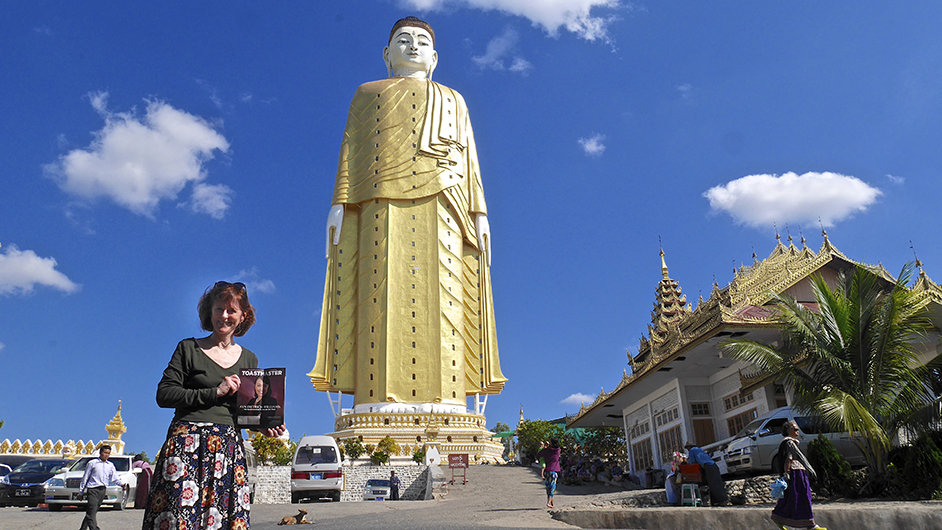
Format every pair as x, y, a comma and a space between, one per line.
5, 470
24, 485
316, 470
376, 489
756, 445
63, 489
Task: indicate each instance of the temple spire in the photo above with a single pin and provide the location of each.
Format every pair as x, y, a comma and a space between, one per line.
670, 304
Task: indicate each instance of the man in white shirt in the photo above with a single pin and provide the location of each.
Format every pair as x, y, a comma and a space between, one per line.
99, 474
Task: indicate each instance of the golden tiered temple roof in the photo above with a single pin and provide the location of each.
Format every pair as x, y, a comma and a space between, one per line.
676, 329
116, 426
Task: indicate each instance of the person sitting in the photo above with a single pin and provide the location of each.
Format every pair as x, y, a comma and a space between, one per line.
618, 475
672, 482
718, 495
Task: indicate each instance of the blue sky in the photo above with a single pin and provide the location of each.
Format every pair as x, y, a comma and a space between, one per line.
150, 149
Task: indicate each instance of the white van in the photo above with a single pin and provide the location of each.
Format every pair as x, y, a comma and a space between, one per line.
316, 469
756, 445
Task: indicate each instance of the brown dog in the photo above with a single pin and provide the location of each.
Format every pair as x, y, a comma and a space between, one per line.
295, 519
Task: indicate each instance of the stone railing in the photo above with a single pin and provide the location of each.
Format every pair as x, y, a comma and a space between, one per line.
407, 420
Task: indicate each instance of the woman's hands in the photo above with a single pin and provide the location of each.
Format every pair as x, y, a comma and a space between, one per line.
229, 385
274, 432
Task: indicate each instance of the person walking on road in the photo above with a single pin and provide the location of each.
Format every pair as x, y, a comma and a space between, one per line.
99, 474
550, 455
794, 509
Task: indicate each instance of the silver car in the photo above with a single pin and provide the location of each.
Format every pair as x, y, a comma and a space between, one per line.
376, 489
63, 489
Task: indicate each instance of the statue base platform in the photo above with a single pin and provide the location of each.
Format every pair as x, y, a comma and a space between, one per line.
455, 433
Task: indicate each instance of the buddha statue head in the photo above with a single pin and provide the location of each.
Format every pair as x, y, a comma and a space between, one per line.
411, 50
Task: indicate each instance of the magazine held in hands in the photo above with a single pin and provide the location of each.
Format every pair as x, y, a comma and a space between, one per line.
261, 398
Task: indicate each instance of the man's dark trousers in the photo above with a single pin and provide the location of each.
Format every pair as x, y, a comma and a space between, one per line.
94, 497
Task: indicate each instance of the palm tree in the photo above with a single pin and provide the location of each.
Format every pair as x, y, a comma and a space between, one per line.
852, 361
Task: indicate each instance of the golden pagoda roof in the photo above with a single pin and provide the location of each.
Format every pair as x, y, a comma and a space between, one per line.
741, 303
116, 426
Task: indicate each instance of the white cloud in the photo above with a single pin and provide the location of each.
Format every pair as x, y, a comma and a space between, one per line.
576, 16
686, 90
578, 399
593, 146
213, 199
138, 162
760, 200
22, 270
2, 346
896, 180
252, 281
498, 48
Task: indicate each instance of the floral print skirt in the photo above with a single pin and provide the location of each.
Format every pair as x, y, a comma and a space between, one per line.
200, 480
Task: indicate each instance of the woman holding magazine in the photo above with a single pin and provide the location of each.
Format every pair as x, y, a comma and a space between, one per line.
200, 475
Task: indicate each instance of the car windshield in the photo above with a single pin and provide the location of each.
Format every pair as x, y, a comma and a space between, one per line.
376, 483
311, 454
40, 466
750, 429
120, 464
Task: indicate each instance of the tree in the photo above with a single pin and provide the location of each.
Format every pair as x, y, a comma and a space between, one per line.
606, 442
506, 441
531, 432
273, 451
852, 360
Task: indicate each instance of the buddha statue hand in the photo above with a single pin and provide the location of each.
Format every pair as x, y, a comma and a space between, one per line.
484, 235
334, 220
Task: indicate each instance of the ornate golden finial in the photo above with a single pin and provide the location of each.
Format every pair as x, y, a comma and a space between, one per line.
116, 427
755, 257
789, 232
918, 263
803, 245
663, 263
520, 421
778, 238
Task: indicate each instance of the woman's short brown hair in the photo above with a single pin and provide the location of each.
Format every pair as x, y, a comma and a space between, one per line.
225, 291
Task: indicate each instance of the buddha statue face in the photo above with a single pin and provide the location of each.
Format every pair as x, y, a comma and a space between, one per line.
411, 53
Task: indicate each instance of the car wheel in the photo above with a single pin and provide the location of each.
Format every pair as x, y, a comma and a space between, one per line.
55, 507
335, 496
295, 498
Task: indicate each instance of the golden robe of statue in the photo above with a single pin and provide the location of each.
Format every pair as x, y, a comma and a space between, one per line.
407, 314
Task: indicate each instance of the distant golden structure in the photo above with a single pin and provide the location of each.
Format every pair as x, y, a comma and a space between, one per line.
408, 322
69, 449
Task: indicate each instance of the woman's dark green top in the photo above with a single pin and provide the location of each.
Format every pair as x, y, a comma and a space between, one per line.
189, 385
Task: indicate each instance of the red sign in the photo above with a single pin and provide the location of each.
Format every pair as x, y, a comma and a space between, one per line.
457, 461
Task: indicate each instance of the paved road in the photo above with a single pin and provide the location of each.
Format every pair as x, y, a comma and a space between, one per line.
494, 497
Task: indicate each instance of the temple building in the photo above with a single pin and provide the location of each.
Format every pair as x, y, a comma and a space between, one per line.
681, 387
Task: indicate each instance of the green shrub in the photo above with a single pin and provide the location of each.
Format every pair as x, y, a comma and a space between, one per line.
388, 446
273, 451
379, 458
353, 448
920, 465
418, 456
835, 477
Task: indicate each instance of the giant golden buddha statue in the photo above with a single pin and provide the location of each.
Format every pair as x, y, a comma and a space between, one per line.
408, 322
